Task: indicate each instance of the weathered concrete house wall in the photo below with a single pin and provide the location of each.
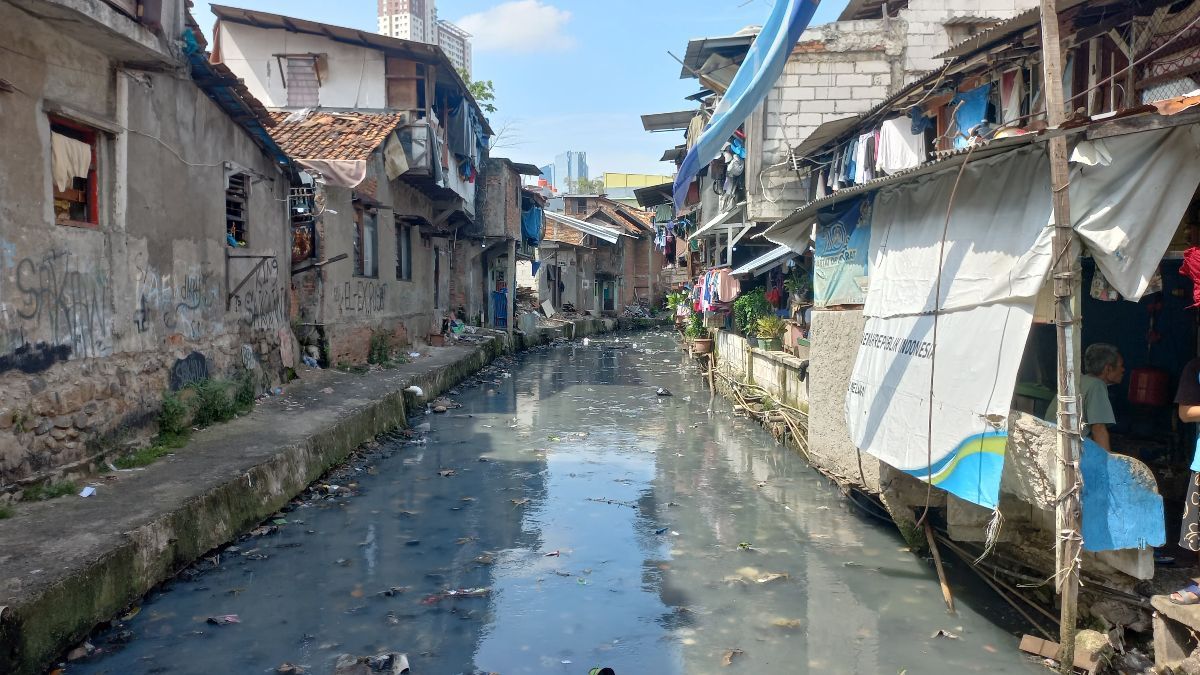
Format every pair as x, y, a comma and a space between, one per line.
391, 91
354, 305
98, 319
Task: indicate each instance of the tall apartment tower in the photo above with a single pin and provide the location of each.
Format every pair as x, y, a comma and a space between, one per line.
414, 20
456, 42
569, 167
417, 20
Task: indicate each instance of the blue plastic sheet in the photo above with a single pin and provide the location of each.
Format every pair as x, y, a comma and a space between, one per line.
755, 77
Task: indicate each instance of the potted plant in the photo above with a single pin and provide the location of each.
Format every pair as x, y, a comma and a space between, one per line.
770, 332
701, 343
747, 310
675, 299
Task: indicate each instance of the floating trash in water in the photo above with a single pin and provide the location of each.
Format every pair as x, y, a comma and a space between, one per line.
224, 619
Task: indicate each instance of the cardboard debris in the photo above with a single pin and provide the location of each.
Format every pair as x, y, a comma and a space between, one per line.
1085, 661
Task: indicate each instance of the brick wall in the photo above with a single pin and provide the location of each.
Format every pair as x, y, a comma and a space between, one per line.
836, 70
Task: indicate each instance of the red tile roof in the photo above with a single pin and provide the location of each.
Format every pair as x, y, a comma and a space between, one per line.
333, 135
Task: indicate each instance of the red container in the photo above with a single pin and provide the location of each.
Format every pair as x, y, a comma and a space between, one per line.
1149, 386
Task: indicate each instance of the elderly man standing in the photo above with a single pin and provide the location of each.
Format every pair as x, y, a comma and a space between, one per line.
1102, 367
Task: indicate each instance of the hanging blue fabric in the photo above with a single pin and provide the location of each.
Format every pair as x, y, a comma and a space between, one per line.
920, 121
737, 148
537, 265
760, 69
531, 225
970, 110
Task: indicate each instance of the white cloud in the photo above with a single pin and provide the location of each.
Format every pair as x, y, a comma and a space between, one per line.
519, 26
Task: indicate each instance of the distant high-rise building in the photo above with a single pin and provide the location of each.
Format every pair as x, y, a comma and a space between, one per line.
409, 20
417, 20
569, 167
456, 42
548, 174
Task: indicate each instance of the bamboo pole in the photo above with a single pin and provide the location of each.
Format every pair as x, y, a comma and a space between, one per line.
1068, 510
937, 563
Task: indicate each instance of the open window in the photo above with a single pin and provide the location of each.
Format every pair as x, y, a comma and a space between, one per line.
404, 234
237, 203
366, 243
74, 165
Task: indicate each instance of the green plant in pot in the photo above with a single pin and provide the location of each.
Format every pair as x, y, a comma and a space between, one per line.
748, 309
695, 327
770, 332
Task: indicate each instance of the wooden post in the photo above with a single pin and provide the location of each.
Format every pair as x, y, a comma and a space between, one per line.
510, 275
1069, 484
937, 563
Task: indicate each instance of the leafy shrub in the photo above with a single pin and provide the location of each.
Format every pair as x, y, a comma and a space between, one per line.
212, 403
44, 491
748, 309
380, 350
173, 418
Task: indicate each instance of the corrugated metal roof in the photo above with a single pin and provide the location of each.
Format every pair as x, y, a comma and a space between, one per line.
1019, 23
416, 51
602, 233
699, 49
654, 195
669, 121
673, 154
767, 260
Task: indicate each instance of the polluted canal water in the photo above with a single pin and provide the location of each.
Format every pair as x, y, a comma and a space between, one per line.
568, 517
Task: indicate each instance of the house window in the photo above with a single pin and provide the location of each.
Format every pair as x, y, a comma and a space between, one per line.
74, 165
366, 244
237, 205
403, 252
303, 84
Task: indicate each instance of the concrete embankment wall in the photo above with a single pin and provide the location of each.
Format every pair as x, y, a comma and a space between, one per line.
236, 475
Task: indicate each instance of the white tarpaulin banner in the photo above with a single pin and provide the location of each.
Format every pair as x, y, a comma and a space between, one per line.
1127, 212
995, 258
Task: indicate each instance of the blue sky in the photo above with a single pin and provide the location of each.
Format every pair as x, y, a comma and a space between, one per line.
571, 74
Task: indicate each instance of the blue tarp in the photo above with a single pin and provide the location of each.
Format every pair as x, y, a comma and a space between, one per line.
531, 225
1121, 505
970, 110
755, 77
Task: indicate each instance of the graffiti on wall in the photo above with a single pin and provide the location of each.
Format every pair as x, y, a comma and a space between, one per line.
260, 301
188, 370
182, 305
53, 307
361, 296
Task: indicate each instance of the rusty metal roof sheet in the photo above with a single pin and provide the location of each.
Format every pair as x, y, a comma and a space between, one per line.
333, 135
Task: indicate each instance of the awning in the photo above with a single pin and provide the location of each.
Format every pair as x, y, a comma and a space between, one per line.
721, 219
653, 195
766, 262
674, 154
603, 233
670, 121
824, 134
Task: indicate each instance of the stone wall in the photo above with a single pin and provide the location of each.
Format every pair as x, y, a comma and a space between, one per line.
835, 338
96, 321
777, 372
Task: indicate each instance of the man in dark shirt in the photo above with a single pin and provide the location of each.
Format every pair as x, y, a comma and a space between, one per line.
1187, 397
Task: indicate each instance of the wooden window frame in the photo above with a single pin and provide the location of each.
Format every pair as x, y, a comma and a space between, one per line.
91, 136
245, 214
404, 246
